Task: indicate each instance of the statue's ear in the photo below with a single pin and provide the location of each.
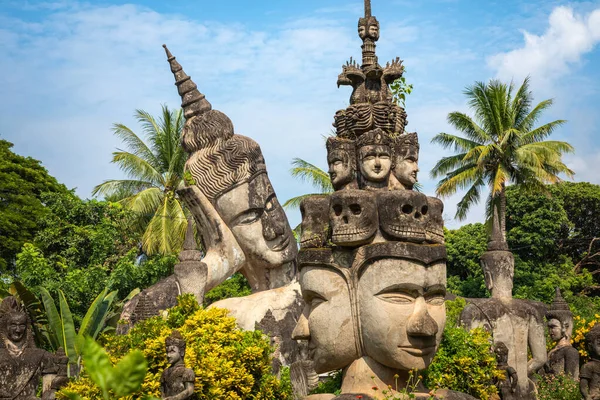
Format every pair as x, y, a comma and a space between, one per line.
489, 282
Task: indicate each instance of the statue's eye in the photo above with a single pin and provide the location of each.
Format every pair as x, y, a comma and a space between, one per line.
396, 298
249, 216
436, 300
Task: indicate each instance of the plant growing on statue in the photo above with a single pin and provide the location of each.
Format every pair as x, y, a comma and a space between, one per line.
400, 89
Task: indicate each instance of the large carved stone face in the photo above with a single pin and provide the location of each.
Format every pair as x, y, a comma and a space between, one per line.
375, 162
353, 217
258, 222
327, 321
406, 170
341, 171
402, 311
403, 215
17, 328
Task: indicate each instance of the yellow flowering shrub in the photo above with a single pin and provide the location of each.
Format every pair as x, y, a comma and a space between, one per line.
580, 329
229, 363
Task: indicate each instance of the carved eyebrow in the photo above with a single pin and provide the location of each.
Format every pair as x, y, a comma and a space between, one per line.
409, 288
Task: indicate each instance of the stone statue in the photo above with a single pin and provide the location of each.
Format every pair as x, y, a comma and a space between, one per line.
406, 161
374, 155
177, 381
563, 358
341, 158
22, 365
589, 377
62, 375
516, 323
509, 385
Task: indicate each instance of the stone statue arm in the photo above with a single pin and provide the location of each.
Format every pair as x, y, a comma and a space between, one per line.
584, 388
186, 394
224, 257
513, 378
572, 363
537, 344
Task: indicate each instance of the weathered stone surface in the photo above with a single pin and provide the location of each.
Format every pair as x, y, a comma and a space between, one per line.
353, 217
563, 358
22, 365
341, 159
403, 215
315, 221
406, 161
177, 381
589, 376
374, 155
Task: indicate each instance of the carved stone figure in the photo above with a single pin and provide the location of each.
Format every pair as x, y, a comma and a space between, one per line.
563, 358
403, 215
508, 386
353, 217
516, 323
374, 159
22, 365
341, 158
177, 381
62, 375
315, 221
589, 377
406, 161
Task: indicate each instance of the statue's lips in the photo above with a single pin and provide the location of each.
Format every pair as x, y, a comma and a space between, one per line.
282, 244
418, 351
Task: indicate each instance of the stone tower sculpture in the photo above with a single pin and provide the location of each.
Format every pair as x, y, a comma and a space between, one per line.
563, 358
519, 324
372, 259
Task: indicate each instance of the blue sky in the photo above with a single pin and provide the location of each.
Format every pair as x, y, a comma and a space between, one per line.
71, 69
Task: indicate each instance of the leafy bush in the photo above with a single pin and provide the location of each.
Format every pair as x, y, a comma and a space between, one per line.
228, 362
558, 387
580, 329
236, 286
332, 384
464, 361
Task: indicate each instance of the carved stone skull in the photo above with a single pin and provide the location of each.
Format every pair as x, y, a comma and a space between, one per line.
434, 228
403, 215
315, 221
353, 217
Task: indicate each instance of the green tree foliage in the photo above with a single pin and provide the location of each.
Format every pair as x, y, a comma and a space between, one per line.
82, 247
22, 182
229, 363
551, 236
236, 286
558, 387
155, 171
501, 146
312, 174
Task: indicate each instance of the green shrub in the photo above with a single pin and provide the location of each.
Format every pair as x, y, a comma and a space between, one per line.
558, 387
229, 363
332, 384
464, 361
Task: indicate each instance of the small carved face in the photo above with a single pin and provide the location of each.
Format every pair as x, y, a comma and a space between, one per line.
373, 30
403, 214
258, 223
555, 329
326, 321
368, 28
315, 221
402, 311
353, 217
341, 169
17, 328
375, 162
173, 354
406, 171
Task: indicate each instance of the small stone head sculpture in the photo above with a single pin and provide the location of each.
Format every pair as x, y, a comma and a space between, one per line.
368, 28
341, 158
353, 217
501, 352
230, 171
315, 221
592, 340
406, 159
560, 318
403, 215
374, 157
175, 347
15, 323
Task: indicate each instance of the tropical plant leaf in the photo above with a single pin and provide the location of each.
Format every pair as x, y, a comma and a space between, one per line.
102, 314
54, 321
68, 329
129, 373
98, 365
87, 324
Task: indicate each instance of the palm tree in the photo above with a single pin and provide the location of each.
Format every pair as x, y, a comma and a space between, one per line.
308, 172
156, 172
500, 146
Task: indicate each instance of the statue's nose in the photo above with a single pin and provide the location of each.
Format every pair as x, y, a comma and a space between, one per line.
420, 322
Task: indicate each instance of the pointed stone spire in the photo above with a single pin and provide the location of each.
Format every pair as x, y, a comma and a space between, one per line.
190, 240
497, 241
559, 309
367, 8
192, 101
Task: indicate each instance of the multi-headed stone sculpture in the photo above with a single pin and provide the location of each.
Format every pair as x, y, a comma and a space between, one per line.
374, 290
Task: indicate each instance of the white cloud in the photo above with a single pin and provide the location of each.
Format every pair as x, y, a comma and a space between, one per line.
546, 57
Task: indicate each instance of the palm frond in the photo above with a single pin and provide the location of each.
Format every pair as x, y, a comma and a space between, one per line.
471, 197
312, 174
120, 188
136, 167
459, 144
294, 202
166, 230
447, 164
463, 123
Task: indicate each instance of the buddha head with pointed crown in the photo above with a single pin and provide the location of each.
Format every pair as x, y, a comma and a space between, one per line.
230, 171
